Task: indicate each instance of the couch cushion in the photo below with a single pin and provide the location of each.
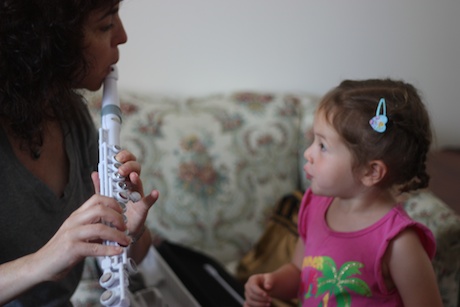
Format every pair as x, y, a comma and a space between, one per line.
220, 162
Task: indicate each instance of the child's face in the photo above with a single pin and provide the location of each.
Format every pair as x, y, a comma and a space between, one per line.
329, 166
104, 31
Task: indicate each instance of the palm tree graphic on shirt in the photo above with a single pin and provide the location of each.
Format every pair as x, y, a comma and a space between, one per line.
327, 281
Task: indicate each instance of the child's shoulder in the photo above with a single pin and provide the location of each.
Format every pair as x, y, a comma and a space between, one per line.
412, 232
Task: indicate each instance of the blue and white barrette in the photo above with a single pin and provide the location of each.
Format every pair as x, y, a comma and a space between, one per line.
379, 121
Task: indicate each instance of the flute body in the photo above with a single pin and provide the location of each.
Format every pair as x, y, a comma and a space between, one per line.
116, 269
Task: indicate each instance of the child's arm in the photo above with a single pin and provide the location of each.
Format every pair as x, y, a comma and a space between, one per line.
412, 272
282, 283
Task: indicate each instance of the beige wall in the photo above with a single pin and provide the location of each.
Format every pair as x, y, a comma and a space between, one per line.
197, 47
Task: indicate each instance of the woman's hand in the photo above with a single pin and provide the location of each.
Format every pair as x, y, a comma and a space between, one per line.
81, 236
86, 228
136, 212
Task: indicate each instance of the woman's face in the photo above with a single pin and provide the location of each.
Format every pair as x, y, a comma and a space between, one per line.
103, 32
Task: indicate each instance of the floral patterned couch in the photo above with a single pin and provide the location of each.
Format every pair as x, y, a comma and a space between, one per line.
221, 163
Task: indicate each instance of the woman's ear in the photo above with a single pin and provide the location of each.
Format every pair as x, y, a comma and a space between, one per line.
373, 173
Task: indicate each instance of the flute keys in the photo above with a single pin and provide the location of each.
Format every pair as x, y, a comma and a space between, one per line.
122, 186
122, 196
116, 148
109, 280
108, 298
113, 298
117, 177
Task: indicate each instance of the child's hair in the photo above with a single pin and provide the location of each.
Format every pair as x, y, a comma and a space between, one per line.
403, 146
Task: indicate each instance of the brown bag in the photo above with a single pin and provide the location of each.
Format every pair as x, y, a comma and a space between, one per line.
277, 243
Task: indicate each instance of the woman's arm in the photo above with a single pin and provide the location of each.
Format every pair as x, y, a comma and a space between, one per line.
78, 237
18, 276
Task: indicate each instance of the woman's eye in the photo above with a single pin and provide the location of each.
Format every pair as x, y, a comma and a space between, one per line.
107, 27
109, 23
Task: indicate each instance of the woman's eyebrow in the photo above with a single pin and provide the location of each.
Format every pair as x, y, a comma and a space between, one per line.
109, 12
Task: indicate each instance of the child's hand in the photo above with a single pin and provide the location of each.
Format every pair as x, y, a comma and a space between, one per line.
256, 290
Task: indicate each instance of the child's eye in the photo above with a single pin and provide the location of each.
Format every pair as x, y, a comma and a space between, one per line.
322, 147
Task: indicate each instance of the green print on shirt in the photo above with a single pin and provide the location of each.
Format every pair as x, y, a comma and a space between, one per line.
323, 279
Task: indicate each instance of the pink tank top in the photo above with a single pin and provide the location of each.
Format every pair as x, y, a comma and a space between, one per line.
344, 268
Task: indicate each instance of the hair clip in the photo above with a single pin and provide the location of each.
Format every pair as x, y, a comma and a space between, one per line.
378, 122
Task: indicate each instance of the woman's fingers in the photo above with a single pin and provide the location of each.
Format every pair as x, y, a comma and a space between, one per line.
128, 163
150, 199
98, 209
101, 232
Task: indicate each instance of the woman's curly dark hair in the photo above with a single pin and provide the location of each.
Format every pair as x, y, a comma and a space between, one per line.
41, 60
404, 145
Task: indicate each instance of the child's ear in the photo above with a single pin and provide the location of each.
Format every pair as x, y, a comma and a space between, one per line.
373, 173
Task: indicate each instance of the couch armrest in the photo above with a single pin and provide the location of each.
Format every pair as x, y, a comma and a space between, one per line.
428, 209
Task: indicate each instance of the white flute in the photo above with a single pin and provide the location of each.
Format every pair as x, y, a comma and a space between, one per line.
116, 269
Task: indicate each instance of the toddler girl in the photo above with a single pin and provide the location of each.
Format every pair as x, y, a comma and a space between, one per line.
357, 246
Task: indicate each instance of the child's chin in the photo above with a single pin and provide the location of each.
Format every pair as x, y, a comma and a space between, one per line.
318, 192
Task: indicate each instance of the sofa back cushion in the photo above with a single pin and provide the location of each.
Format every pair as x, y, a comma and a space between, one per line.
220, 162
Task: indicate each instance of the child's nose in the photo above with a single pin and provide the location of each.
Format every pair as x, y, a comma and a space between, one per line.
307, 155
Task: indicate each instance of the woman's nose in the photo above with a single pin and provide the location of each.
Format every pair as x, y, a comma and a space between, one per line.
120, 37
